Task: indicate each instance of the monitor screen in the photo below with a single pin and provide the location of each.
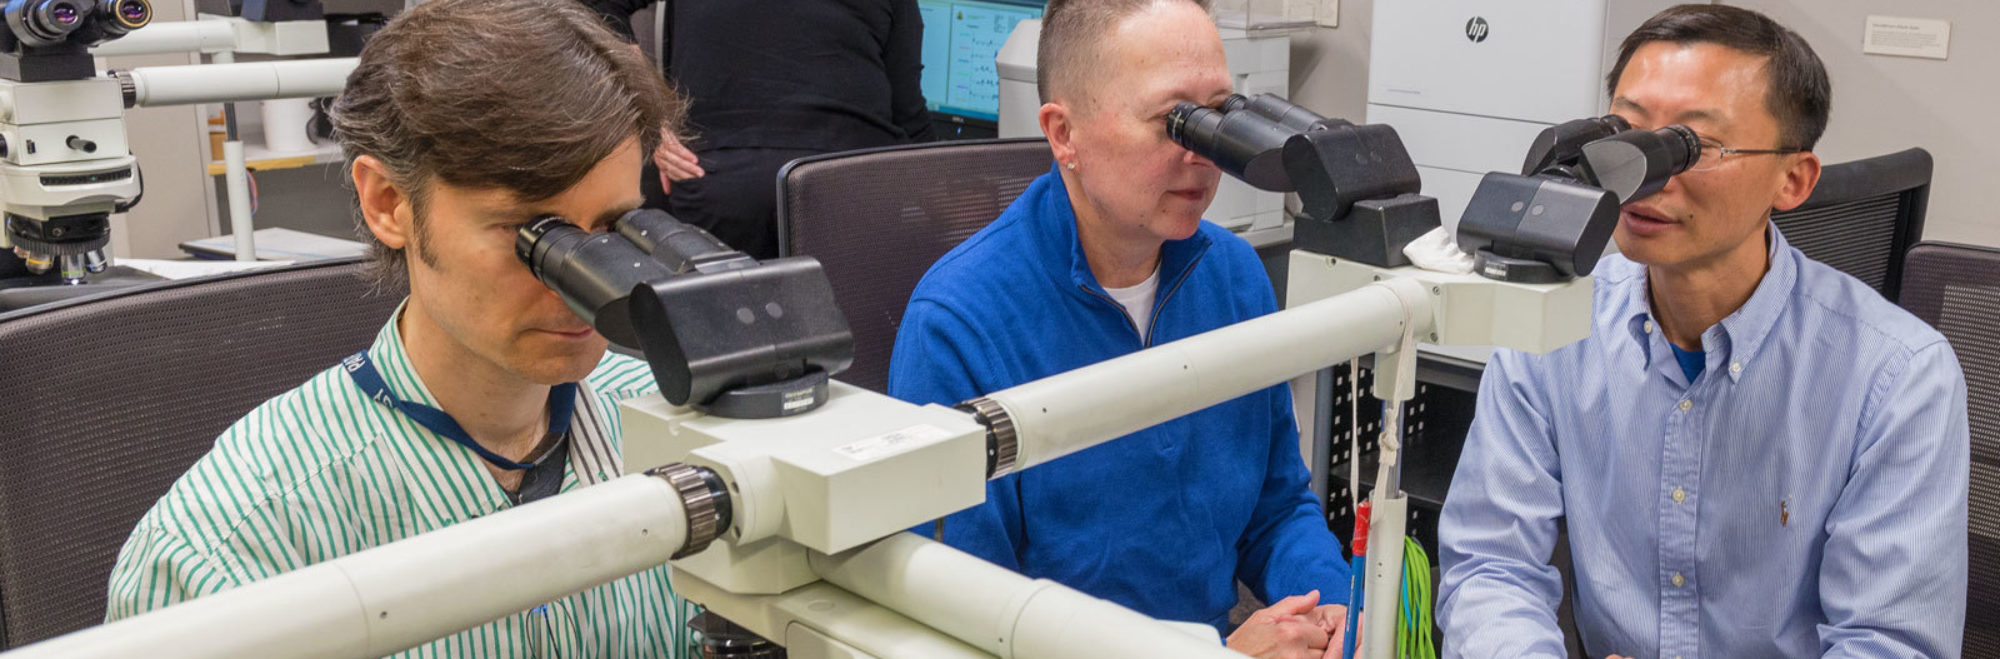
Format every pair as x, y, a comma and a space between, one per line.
960, 39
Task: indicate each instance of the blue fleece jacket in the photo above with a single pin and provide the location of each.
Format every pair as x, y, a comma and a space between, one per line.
1164, 520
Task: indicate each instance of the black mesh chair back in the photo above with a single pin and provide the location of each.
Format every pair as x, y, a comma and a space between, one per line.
878, 218
1864, 216
109, 399
1956, 288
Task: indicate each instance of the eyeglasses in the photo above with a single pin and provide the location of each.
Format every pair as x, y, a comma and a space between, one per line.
1713, 154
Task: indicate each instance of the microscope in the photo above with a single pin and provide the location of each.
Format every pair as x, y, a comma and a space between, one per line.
1357, 186
1535, 239
724, 333
1553, 221
64, 164
782, 498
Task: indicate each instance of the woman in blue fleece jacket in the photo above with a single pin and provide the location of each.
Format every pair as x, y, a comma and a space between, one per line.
1104, 256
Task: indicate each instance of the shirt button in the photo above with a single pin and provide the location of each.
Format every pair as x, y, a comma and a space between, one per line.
1736, 368
1680, 495
1687, 405
1649, 327
1679, 580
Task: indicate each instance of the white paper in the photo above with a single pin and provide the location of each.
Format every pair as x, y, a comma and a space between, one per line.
1907, 37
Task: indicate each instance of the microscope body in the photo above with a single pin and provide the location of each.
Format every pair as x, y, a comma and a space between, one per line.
65, 166
64, 169
1553, 221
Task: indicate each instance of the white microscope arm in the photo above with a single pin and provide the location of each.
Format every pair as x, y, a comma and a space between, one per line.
806, 513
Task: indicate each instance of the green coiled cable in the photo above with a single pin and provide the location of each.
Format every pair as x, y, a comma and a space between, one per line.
1413, 627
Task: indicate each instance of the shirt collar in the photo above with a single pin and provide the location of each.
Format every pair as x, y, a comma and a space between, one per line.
392, 359
457, 465
1743, 332
1059, 219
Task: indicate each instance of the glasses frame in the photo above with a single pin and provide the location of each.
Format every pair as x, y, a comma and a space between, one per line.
1723, 153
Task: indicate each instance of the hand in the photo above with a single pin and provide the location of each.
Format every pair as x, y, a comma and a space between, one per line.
675, 161
1286, 630
1333, 619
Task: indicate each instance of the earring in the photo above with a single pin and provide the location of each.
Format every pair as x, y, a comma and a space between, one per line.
1072, 166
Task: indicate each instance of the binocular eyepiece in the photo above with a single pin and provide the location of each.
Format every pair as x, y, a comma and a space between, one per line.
1634, 164
1245, 135
1606, 152
723, 332
1357, 186
1553, 221
43, 23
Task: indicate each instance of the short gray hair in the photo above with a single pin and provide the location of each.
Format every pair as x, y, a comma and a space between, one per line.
1072, 41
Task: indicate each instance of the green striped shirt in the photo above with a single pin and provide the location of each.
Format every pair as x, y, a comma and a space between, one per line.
323, 471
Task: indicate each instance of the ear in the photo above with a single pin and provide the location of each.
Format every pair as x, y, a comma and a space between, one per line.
1059, 124
385, 208
1799, 179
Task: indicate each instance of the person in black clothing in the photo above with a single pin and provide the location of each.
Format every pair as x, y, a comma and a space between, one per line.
771, 81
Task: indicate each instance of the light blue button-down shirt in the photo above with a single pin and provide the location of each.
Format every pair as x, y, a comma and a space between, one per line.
1805, 496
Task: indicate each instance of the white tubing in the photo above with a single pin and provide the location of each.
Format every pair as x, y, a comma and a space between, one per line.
401, 595
997, 610
1388, 516
236, 178
244, 81
199, 36
1066, 413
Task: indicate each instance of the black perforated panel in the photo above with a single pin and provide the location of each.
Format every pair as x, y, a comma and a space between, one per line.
1863, 216
1857, 238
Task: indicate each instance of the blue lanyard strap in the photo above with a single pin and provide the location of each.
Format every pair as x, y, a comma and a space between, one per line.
562, 402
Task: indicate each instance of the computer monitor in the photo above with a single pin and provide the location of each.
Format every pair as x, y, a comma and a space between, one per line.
960, 83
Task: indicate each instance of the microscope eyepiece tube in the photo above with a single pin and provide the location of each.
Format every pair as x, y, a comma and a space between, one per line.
1637, 163
682, 247
1280, 111
1244, 144
594, 273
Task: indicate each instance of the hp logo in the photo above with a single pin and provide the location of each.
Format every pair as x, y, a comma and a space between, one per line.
1476, 29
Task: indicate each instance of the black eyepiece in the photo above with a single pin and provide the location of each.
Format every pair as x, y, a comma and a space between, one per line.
1244, 144
1637, 163
595, 272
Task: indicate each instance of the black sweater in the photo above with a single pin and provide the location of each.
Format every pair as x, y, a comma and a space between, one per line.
827, 75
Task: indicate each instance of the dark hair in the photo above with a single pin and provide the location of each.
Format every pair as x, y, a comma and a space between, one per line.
522, 95
1799, 96
1072, 39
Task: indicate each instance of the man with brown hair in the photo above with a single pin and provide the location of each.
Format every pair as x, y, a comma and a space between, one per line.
1104, 256
463, 120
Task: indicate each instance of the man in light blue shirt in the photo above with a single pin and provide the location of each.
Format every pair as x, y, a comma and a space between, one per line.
1756, 455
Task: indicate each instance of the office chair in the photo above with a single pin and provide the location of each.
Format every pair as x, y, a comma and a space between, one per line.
1864, 216
110, 398
878, 218
1956, 288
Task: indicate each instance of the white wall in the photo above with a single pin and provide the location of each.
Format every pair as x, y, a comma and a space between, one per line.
1880, 104
171, 144
1883, 104
1330, 65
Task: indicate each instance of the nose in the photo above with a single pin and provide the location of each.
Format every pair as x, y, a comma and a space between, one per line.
1195, 159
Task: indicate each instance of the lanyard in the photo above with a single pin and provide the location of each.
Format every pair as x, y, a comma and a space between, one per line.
562, 400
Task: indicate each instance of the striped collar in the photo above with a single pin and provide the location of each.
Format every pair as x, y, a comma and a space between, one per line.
450, 484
